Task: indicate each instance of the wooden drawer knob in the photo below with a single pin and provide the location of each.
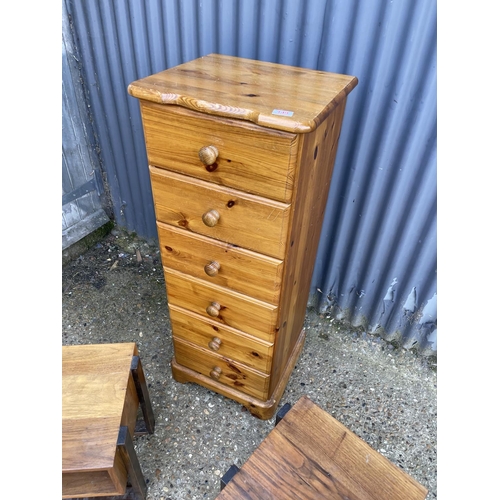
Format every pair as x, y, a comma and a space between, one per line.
212, 269
215, 373
215, 343
210, 218
208, 155
213, 309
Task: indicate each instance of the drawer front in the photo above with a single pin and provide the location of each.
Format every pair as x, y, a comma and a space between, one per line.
222, 340
221, 369
249, 158
221, 263
241, 219
227, 308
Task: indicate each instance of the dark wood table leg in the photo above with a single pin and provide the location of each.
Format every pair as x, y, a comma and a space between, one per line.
230, 473
281, 413
126, 449
143, 395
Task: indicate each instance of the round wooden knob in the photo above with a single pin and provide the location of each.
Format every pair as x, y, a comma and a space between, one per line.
212, 269
215, 343
210, 218
208, 155
213, 309
215, 373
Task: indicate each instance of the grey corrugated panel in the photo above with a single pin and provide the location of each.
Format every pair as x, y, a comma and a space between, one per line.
104, 35
380, 219
380, 223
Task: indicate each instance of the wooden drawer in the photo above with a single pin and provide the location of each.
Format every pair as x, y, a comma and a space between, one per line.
236, 310
249, 158
225, 341
222, 369
236, 268
244, 220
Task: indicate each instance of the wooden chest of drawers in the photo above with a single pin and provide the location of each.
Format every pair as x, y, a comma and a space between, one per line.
240, 155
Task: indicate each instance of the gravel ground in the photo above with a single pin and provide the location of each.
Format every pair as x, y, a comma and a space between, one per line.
115, 292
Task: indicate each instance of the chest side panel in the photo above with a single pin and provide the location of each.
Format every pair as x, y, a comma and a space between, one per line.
316, 167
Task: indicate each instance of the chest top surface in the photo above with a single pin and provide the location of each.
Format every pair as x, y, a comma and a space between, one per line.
272, 95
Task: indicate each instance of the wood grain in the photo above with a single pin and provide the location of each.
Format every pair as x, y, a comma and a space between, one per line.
234, 344
317, 157
250, 158
250, 90
248, 221
98, 396
259, 407
241, 270
239, 225
237, 311
232, 373
310, 455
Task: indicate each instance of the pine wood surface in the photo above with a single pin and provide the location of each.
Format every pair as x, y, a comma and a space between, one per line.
250, 158
234, 344
263, 408
310, 455
249, 90
98, 396
317, 157
245, 220
231, 373
241, 270
241, 154
237, 311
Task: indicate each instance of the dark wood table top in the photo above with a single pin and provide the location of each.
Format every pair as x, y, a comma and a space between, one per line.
310, 455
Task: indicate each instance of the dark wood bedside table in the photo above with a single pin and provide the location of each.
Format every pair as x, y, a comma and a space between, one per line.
102, 388
309, 455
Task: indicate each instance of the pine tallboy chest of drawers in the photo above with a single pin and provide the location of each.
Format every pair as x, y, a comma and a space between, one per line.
240, 156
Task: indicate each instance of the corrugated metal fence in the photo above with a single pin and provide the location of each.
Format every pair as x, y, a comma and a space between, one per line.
376, 264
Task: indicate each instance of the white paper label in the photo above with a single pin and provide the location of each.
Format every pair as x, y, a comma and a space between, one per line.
282, 112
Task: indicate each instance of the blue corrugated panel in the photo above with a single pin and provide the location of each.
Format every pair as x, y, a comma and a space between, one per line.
376, 264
